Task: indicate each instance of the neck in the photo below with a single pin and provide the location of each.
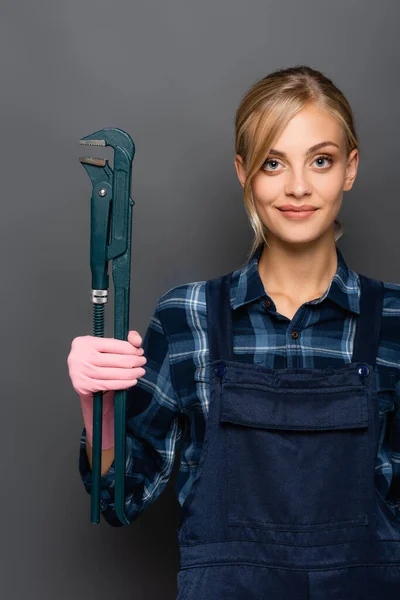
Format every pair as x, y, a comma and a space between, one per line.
299, 272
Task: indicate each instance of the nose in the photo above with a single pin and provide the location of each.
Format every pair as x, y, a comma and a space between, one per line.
297, 184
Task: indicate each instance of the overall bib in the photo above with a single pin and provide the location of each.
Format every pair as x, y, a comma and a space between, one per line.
284, 504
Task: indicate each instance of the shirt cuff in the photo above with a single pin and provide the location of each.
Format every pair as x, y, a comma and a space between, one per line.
107, 484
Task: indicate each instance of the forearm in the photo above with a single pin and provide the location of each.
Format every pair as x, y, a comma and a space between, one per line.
107, 454
107, 457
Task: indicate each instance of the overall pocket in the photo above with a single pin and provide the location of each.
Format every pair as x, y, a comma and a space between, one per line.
298, 459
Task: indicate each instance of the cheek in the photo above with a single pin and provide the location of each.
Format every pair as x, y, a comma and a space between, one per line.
267, 188
329, 185
329, 189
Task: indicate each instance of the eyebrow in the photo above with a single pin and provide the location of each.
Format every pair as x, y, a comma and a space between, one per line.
309, 151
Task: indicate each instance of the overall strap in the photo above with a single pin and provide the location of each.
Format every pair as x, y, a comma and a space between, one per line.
368, 321
219, 318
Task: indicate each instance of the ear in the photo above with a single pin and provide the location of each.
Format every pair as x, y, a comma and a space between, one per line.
351, 171
240, 169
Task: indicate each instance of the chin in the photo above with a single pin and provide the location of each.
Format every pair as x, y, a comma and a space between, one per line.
300, 238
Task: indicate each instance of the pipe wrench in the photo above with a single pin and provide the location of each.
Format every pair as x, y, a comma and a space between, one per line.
110, 239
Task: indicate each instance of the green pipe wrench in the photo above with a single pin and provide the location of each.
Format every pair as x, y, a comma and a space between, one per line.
110, 239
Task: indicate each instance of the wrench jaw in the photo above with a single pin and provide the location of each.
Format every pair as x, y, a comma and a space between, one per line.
109, 185
120, 141
89, 160
113, 137
99, 172
98, 168
94, 139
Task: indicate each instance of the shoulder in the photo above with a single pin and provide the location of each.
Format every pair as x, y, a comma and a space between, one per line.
192, 296
391, 312
182, 306
183, 296
389, 345
391, 297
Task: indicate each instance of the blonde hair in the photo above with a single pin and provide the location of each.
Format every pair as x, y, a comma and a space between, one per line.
263, 114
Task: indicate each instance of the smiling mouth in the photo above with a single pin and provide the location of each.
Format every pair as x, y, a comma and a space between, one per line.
296, 214
297, 209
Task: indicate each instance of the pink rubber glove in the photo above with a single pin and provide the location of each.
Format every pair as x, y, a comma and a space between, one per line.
107, 364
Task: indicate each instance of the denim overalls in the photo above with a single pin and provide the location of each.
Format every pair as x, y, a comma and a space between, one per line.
284, 505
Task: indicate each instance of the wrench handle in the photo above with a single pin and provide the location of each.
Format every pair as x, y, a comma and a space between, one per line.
98, 330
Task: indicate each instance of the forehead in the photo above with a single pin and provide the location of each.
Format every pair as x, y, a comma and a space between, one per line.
310, 126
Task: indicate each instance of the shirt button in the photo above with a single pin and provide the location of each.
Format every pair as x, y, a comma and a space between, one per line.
220, 370
363, 371
267, 303
295, 335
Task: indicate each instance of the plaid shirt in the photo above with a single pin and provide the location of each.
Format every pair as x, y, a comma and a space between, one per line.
167, 409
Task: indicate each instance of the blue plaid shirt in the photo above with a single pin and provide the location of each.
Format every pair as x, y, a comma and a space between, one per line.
167, 409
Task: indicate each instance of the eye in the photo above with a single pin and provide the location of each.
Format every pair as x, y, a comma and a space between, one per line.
274, 162
325, 157
269, 161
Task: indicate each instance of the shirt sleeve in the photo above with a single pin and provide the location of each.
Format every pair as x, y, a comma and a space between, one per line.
153, 432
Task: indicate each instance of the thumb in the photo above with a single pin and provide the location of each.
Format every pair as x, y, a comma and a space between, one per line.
134, 338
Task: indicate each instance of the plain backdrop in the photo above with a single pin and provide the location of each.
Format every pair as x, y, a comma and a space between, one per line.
171, 73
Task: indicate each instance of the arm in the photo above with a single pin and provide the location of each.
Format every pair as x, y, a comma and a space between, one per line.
107, 458
153, 432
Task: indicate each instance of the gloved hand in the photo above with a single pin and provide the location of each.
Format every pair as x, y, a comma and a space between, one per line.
104, 364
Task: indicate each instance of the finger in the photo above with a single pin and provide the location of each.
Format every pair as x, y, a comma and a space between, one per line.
115, 373
135, 338
121, 361
112, 345
114, 385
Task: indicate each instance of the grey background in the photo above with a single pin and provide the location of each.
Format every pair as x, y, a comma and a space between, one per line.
171, 74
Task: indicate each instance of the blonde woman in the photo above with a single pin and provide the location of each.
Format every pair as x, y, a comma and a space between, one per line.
277, 381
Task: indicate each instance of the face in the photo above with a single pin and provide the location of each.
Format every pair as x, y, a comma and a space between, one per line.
296, 174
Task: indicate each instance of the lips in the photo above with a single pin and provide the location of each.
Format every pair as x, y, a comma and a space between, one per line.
287, 208
298, 213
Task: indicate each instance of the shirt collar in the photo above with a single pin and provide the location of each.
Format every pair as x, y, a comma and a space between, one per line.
343, 289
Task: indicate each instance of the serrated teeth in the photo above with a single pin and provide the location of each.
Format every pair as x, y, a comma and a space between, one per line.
89, 160
92, 142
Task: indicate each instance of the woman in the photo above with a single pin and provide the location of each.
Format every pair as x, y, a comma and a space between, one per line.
278, 380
